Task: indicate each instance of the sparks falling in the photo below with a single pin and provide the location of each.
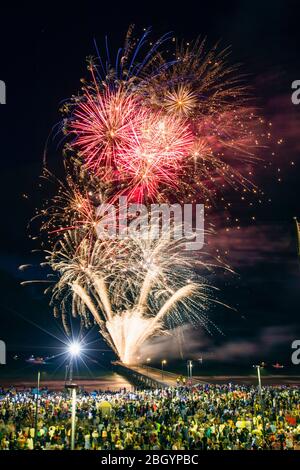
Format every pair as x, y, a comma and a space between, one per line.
131, 289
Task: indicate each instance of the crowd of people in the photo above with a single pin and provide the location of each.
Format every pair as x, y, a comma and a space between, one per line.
204, 417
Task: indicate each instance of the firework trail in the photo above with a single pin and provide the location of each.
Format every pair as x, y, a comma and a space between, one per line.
151, 128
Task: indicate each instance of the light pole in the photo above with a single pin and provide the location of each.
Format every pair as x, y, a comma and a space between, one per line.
73, 388
163, 363
259, 380
261, 401
74, 350
37, 408
73, 419
190, 370
258, 367
148, 360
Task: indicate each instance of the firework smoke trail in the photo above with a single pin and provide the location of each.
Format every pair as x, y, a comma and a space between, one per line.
152, 129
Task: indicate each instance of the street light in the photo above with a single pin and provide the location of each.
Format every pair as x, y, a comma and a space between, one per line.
73, 388
258, 378
148, 360
163, 363
37, 408
262, 405
190, 371
74, 350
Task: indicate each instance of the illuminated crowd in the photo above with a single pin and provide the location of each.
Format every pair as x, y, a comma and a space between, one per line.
202, 418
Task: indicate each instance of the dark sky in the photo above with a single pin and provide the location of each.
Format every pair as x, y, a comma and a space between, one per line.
42, 58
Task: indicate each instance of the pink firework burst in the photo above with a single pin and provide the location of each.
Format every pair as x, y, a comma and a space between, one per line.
104, 123
156, 154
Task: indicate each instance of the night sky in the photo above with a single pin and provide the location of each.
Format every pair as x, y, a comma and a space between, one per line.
42, 58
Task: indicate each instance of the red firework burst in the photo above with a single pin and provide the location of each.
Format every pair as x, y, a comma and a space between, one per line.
104, 123
156, 154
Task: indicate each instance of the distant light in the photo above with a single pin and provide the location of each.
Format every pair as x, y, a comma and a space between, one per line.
74, 348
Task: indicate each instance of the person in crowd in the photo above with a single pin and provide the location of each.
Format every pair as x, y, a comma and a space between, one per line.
203, 417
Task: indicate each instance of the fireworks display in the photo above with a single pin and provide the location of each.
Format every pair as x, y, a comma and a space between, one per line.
131, 288
154, 129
